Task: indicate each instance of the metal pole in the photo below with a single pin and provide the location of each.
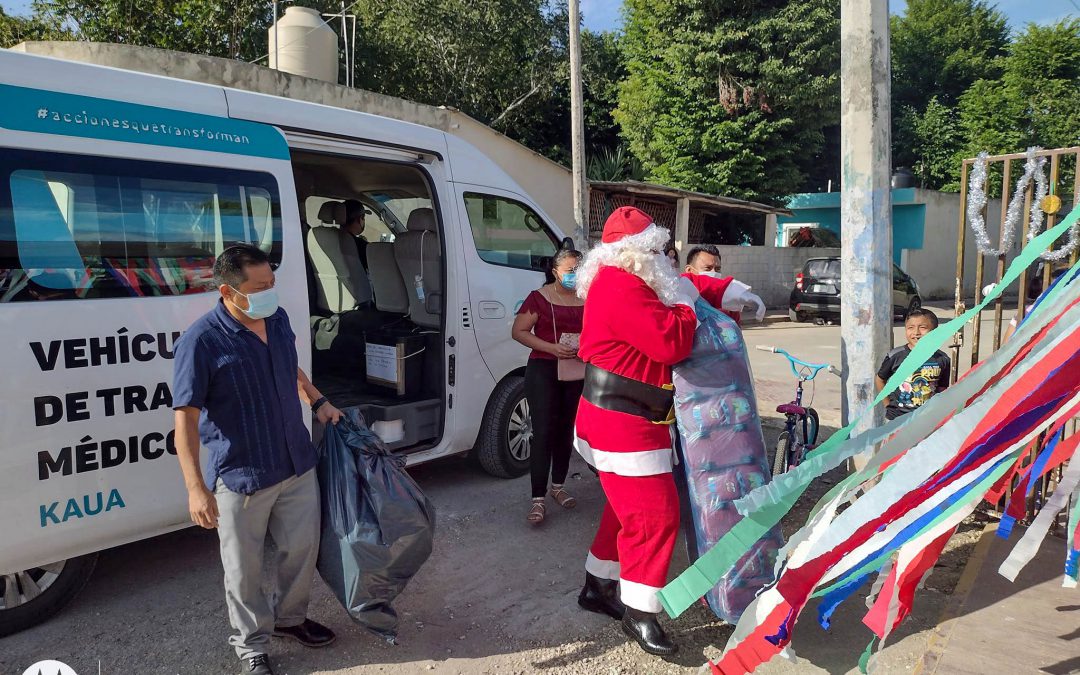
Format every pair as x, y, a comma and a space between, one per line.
865, 204
961, 240
577, 131
277, 64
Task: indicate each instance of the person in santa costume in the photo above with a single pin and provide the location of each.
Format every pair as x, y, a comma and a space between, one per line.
639, 321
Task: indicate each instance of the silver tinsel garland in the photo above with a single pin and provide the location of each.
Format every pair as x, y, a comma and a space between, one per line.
977, 202
1036, 224
1034, 167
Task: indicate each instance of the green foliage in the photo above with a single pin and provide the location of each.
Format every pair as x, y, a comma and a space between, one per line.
1036, 101
729, 96
231, 29
16, 29
613, 164
493, 59
939, 49
933, 138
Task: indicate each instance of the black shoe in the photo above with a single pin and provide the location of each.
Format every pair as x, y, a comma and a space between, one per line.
259, 664
646, 631
601, 596
309, 633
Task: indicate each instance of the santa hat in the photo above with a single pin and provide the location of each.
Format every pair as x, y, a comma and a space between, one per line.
625, 221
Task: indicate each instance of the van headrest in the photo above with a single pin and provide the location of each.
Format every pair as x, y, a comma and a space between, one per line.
332, 213
422, 220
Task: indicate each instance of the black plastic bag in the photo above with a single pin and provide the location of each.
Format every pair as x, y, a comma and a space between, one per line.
378, 528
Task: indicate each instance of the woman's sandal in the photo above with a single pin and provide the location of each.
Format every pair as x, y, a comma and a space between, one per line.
562, 497
537, 512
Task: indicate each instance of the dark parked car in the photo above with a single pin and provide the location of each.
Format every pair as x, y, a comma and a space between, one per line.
816, 294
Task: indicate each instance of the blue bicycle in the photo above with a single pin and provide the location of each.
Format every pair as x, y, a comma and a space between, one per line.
801, 428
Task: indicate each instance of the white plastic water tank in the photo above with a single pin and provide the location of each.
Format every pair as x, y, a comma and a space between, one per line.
308, 46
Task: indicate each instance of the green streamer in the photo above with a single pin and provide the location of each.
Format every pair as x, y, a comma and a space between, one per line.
864, 660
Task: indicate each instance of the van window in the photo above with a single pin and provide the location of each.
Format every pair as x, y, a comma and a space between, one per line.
73, 226
507, 232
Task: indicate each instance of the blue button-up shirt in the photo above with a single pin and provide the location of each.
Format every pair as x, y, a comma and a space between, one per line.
252, 418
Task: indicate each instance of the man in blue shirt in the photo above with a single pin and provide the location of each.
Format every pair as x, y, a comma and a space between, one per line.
237, 388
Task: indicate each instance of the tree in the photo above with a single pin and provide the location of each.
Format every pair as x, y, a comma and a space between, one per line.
232, 29
1036, 101
934, 138
728, 96
497, 60
939, 49
16, 29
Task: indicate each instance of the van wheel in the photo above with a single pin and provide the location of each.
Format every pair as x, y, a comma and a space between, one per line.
31, 596
505, 442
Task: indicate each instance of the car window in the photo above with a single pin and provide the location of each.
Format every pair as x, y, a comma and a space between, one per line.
823, 268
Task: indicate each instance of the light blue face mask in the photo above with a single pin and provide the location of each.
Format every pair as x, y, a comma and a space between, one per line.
569, 280
261, 304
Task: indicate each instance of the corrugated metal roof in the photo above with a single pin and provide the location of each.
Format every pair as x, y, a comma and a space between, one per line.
638, 187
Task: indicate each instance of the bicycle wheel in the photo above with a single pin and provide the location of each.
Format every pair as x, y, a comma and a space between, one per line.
783, 451
813, 424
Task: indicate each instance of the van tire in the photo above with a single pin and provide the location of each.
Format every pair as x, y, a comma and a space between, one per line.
71, 579
493, 446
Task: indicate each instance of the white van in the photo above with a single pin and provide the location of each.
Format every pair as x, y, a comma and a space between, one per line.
117, 191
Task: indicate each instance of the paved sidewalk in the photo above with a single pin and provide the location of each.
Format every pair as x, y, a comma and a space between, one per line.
993, 626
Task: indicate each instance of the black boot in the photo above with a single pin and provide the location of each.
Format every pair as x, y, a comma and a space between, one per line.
646, 631
601, 596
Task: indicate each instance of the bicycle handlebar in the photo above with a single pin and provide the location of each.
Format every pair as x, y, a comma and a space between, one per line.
814, 368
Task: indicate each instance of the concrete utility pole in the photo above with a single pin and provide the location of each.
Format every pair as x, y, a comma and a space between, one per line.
866, 203
577, 132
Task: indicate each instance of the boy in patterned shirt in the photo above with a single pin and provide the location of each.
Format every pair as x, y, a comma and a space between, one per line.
929, 379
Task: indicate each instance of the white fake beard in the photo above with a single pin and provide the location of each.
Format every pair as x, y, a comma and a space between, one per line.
634, 254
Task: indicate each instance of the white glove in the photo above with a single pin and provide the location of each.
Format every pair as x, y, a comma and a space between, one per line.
688, 293
759, 312
988, 289
738, 297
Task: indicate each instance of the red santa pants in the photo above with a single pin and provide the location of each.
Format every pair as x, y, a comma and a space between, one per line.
636, 536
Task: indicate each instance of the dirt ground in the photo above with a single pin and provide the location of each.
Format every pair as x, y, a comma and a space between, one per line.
497, 596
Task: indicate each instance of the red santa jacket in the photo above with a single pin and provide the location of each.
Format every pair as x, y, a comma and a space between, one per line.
629, 332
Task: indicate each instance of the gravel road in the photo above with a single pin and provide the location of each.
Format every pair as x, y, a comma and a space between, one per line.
497, 596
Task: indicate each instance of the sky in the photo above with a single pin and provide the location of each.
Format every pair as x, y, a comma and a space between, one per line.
607, 14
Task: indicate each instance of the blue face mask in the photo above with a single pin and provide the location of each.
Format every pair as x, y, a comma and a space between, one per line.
261, 304
569, 280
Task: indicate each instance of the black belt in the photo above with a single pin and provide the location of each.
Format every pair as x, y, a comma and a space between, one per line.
604, 389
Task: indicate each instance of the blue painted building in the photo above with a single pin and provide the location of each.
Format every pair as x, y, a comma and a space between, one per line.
822, 210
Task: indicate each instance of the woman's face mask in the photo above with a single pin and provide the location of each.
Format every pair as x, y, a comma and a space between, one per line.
260, 305
569, 280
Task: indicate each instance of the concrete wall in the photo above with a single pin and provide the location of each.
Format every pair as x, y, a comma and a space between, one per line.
548, 182
934, 265
924, 235
769, 270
